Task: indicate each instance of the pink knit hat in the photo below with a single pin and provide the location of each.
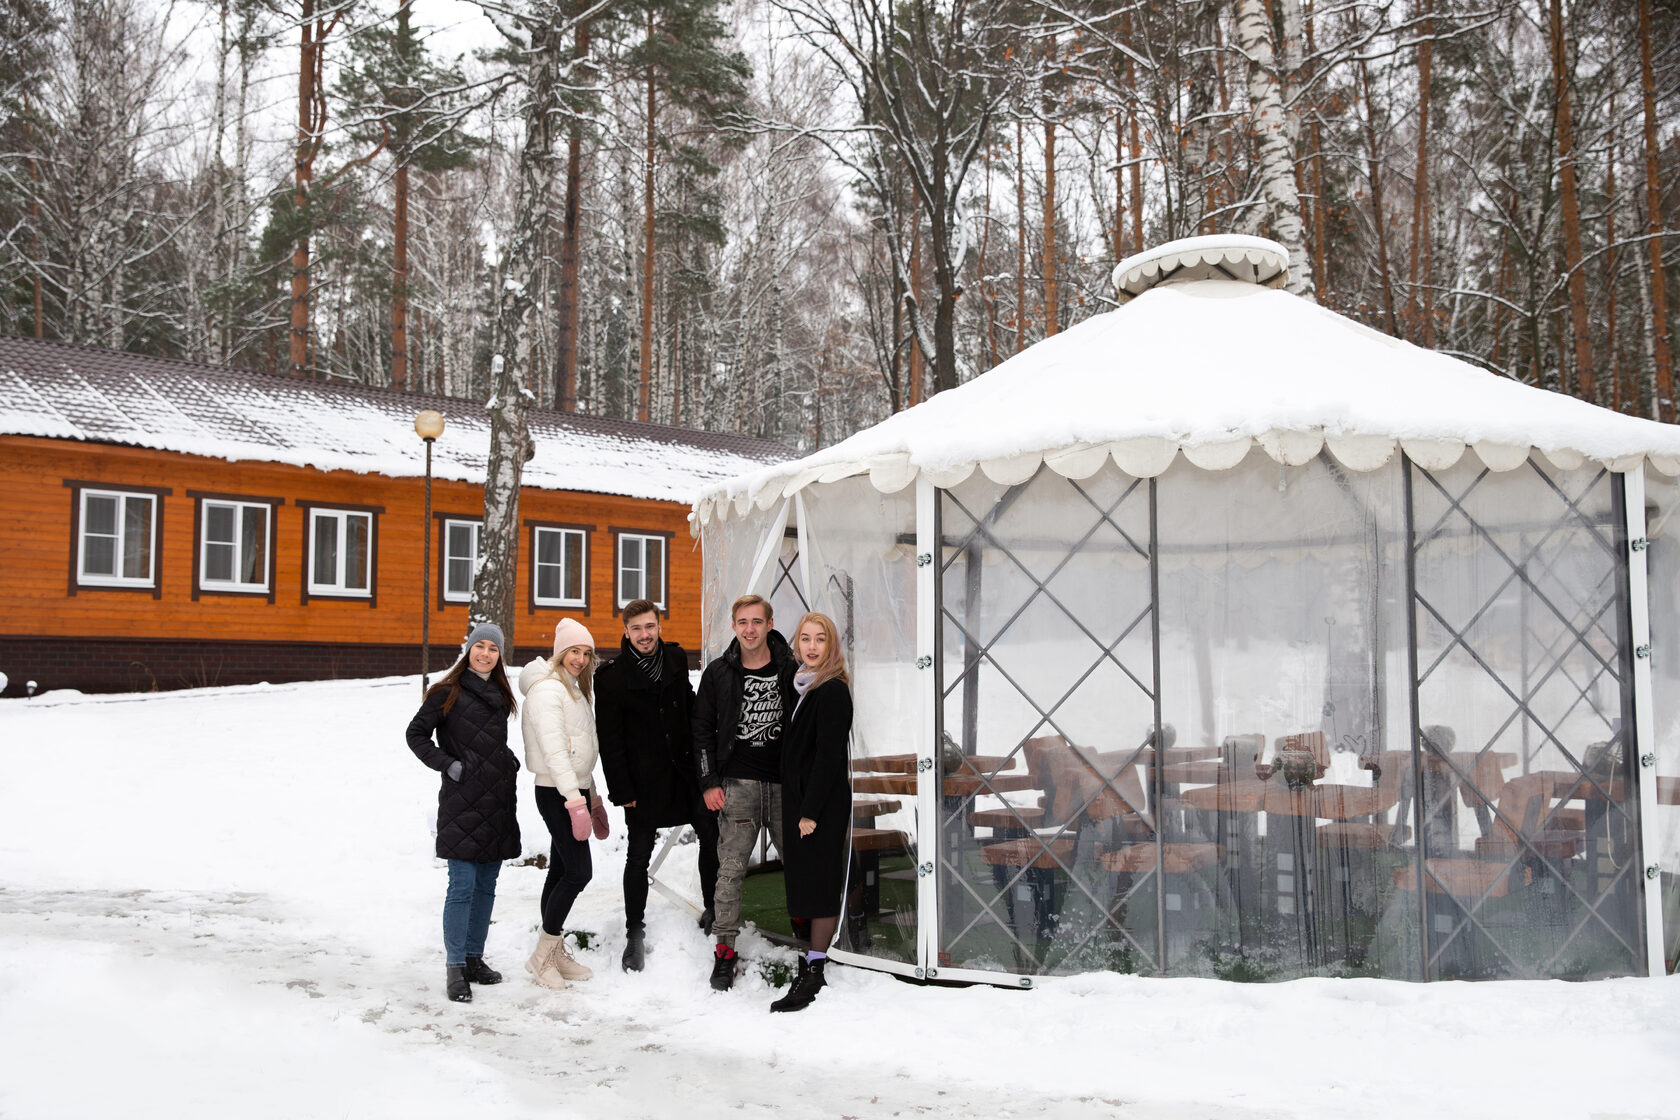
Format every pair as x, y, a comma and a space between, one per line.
569, 633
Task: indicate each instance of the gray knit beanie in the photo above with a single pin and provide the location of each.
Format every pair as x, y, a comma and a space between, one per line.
482, 632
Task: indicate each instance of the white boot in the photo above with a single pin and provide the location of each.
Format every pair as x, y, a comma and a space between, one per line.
541, 963
567, 966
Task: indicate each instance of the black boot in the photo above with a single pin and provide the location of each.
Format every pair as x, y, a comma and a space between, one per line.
455, 983
635, 951
480, 973
804, 989
723, 968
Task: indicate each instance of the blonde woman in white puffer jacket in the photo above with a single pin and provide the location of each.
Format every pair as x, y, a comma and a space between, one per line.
558, 725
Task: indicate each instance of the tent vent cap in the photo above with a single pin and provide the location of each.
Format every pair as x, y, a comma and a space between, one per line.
1225, 256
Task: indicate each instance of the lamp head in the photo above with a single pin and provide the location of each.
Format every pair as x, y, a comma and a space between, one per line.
428, 425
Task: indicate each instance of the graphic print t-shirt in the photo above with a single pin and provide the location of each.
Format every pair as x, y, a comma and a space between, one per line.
758, 745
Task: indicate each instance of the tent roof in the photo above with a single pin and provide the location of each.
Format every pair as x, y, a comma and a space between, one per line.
62, 391
1208, 367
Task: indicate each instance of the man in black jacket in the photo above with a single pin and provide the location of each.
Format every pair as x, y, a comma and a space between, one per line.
644, 712
743, 706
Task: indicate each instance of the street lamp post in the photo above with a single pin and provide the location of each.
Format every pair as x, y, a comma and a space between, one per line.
428, 425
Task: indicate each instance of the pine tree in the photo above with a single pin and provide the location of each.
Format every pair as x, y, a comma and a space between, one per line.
688, 74
401, 101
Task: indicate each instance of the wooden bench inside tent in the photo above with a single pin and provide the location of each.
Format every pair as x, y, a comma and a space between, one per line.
1531, 824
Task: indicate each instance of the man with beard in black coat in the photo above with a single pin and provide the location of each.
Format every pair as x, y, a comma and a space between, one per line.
644, 710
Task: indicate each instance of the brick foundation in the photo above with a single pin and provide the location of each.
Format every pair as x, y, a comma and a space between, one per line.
141, 665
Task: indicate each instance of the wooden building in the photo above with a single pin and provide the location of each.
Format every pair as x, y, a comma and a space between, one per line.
166, 524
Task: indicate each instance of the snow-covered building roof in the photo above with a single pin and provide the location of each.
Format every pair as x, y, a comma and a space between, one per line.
62, 391
1206, 359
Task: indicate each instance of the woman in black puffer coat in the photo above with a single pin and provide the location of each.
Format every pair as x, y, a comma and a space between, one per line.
467, 712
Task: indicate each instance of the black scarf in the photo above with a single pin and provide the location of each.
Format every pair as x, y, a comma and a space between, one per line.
653, 664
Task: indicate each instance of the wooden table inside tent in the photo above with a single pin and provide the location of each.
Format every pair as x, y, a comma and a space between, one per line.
865, 812
1325, 801
1668, 788
954, 785
906, 764
1301, 807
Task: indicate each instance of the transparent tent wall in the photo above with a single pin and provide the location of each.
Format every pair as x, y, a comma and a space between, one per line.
1253, 802
731, 549
1284, 675
1047, 685
1530, 828
1662, 528
860, 547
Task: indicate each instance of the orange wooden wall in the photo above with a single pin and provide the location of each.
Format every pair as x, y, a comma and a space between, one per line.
37, 553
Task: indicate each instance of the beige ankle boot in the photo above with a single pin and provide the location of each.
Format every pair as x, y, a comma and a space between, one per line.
567, 966
541, 963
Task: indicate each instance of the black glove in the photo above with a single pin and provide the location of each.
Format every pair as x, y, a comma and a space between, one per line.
454, 771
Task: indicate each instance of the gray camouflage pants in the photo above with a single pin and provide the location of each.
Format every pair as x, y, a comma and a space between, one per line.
748, 806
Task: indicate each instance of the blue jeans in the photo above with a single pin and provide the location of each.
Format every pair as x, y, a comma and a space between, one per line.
466, 909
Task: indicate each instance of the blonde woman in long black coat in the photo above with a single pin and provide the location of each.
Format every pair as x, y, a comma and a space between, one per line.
816, 798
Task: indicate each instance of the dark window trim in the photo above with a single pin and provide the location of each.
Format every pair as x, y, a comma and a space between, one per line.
531, 527
199, 498
373, 512
621, 531
442, 555
76, 486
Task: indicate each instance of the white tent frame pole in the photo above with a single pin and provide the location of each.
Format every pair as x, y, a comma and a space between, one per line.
770, 547
927, 782
1642, 746
673, 837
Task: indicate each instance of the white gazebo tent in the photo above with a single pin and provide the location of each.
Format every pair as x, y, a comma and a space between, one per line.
1221, 635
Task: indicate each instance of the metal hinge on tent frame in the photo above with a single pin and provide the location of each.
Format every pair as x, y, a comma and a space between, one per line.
924, 662
1642, 651
923, 559
1639, 545
924, 870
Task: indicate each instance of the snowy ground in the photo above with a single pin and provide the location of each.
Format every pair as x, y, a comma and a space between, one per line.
222, 903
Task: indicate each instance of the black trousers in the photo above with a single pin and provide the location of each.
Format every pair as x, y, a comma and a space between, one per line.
569, 865
640, 854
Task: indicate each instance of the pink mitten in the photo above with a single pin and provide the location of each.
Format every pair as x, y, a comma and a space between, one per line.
598, 814
579, 810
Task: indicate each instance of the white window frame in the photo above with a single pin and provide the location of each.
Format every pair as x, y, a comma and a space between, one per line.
85, 578
339, 589
640, 568
205, 582
464, 595
537, 566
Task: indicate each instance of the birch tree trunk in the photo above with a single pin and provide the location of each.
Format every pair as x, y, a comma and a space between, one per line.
918, 375
566, 336
644, 399
514, 332
1020, 236
1276, 154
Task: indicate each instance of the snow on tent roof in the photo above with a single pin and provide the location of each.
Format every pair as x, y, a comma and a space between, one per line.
62, 391
1205, 360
